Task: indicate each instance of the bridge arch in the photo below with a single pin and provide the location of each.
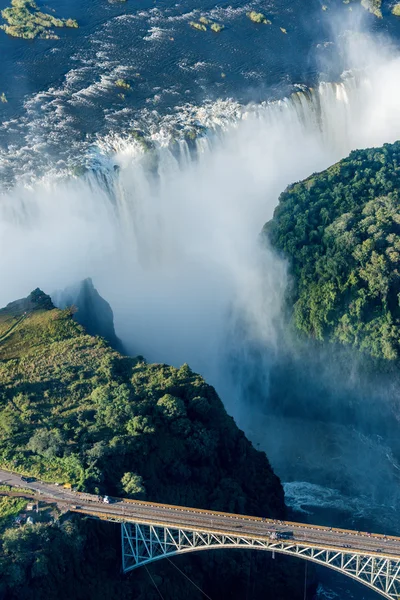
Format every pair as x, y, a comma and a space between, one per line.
144, 543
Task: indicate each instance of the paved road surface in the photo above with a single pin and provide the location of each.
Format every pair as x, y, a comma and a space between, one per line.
157, 514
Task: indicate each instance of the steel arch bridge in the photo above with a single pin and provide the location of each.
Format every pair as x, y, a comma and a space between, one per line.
143, 544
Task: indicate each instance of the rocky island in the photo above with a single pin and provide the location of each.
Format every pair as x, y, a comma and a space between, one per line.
25, 20
258, 17
373, 6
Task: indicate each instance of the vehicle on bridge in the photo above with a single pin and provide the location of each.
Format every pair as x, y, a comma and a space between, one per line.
152, 531
285, 535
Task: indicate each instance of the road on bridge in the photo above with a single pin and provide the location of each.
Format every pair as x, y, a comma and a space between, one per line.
123, 510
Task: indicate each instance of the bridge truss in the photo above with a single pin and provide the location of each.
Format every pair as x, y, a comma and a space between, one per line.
143, 544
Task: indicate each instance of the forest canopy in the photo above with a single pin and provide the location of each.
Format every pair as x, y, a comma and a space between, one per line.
340, 230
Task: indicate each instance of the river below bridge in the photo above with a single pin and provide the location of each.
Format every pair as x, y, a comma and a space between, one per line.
314, 460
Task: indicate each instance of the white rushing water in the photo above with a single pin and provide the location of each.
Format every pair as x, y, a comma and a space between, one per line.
170, 237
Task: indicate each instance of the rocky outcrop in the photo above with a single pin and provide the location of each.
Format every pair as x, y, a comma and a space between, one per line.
36, 300
93, 312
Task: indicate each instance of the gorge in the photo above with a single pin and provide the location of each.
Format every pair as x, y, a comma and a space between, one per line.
166, 219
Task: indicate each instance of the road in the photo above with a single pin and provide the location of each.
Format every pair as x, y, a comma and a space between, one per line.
13, 326
202, 520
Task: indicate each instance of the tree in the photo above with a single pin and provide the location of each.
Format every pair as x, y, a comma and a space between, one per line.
171, 407
10, 422
47, 443
132, 484
140, 424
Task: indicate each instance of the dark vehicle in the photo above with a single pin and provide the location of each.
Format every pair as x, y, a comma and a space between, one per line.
28, 479
285, 535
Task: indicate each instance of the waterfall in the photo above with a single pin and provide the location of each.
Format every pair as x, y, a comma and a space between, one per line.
169, 234
167, 226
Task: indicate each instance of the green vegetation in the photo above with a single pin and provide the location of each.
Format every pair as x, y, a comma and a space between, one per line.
373, 6
132, 485
5, 488
217, 27
198, 26
73, 409
25, 20
204, 22
8, 488
396, 10
36, 554
123, 84
340, 230
257, 17
10, 507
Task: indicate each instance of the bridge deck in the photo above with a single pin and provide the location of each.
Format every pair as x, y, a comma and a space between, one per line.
209, 521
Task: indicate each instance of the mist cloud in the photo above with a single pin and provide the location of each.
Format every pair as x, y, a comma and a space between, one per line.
171, 237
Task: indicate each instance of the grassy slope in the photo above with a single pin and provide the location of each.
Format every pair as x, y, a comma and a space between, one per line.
73, 409
97, 415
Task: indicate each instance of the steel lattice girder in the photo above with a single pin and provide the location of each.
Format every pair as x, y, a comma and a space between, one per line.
143, 544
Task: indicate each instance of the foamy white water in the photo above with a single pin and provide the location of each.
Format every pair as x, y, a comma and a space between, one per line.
170, 236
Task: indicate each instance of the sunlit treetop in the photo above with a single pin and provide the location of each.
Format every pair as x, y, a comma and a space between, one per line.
340, 230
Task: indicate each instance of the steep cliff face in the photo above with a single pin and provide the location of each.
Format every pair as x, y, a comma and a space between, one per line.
73, 409
93, 311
